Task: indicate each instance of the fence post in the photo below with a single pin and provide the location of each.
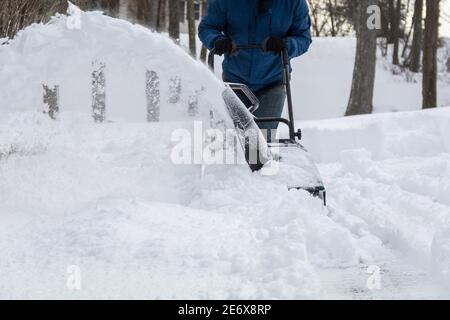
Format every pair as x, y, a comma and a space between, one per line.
98, 91
51, 100
193, 104
174, 89
153, 96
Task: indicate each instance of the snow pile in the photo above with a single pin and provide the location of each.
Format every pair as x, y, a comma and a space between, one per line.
60, 53
138, 226
391, 174
403, 134
108, 199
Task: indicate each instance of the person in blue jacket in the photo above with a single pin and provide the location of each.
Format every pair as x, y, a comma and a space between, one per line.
273, 24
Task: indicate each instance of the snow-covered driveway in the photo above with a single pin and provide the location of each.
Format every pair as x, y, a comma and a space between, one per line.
388, 177
108, 200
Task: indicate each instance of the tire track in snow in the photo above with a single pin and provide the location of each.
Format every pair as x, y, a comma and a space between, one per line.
406, 223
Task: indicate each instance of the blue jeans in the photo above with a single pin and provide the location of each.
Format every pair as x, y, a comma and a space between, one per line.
271, 106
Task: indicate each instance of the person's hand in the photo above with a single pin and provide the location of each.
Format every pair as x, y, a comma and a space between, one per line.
223, 45
274, 44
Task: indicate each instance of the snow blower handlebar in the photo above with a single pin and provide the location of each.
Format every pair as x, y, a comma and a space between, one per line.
213, 52
293, 135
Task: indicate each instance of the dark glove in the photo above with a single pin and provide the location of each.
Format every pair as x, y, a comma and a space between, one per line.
223, 45
274, 44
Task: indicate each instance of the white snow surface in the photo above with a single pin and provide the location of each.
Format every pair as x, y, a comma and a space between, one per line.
107, 198
323, 77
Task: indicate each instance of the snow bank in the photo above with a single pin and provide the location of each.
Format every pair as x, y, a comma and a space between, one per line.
390, 174
61, 53
108, 199
402, 134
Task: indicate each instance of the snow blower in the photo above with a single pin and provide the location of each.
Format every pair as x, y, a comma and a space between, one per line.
295, 166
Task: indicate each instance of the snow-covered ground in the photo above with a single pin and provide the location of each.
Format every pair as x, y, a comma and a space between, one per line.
107, 198
388, 179
323, 79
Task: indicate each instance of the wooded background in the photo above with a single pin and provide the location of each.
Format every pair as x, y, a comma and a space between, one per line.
409, 31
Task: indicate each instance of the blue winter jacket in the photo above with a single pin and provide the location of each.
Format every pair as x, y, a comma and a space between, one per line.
241, 22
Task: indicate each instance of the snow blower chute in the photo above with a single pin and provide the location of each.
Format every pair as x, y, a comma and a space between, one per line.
295, 166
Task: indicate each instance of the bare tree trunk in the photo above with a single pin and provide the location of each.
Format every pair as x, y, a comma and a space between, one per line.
396, 33
416, 49
191, 26
111, 7
174, 19
361, 96
391, 36
153, 13
123, 9
204, 50
408, 36
162, 13
318, 19
331, 12
139, 11
431, 38
385, 27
